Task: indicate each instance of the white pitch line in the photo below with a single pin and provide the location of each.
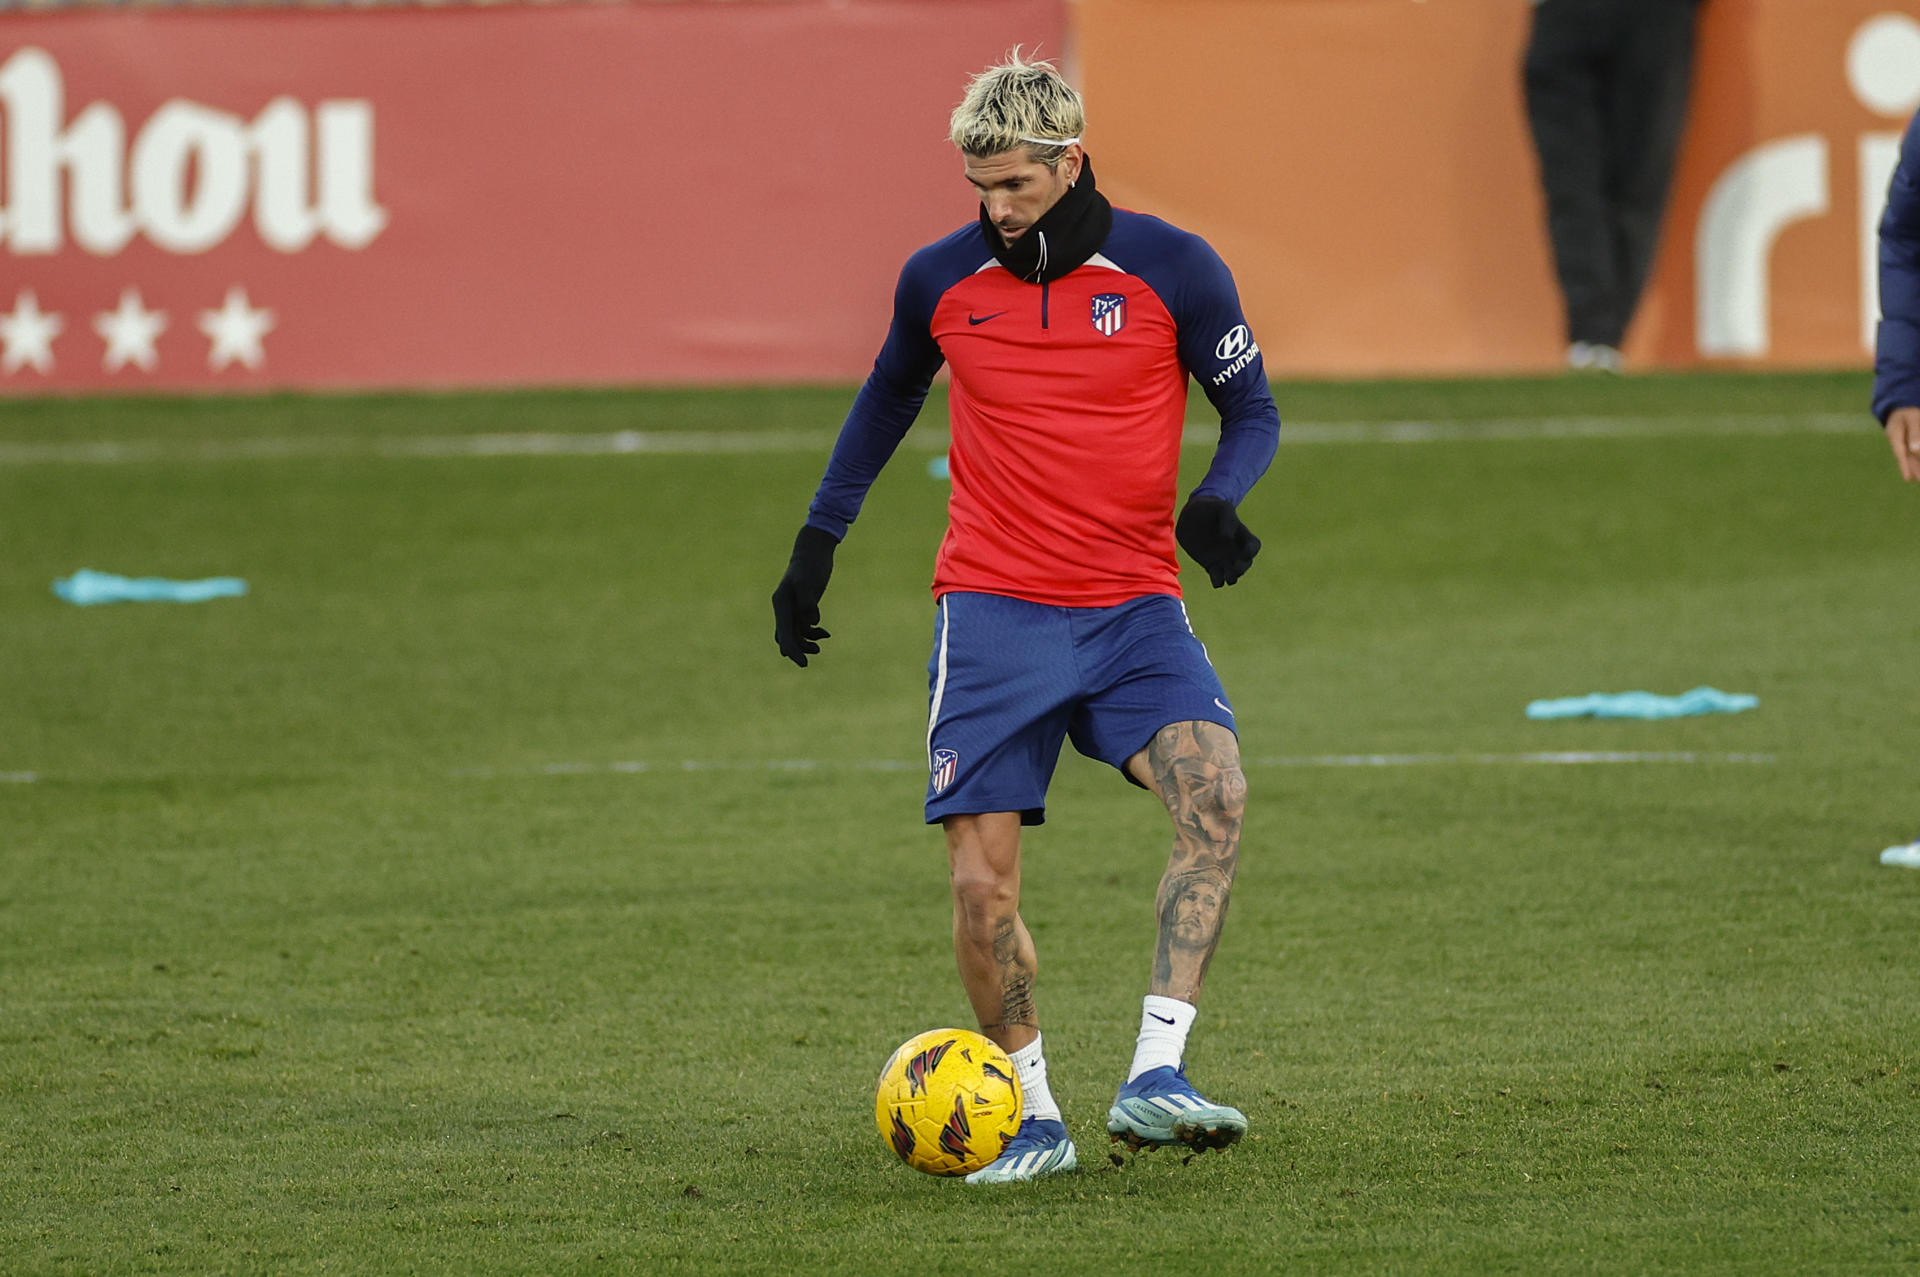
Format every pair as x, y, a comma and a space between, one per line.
633, 767
929, 439
529, 444
636, 767
1577, 758
1524, 428
620, 443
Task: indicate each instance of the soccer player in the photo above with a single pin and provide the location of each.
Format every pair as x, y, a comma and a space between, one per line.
1896, 360
1070, 328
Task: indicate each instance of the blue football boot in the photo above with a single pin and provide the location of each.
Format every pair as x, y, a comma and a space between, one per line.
1040, 1147
1160, 1108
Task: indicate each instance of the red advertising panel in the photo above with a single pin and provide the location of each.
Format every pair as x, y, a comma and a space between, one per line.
610, 194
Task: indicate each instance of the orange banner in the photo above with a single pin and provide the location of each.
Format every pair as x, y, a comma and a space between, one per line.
1365, 168
1770, 248
633, 193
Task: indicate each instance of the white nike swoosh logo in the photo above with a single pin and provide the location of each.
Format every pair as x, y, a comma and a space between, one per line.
1223, 705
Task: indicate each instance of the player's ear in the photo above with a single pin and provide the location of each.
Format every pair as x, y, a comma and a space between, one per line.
1070, 163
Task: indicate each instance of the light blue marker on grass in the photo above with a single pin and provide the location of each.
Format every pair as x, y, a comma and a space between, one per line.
937, 469
87, 587
1701, 700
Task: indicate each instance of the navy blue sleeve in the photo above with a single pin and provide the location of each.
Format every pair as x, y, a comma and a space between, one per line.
887, 404
1896, 357
1219, 350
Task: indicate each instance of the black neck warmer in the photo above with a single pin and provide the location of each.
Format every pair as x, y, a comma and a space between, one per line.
1063, 239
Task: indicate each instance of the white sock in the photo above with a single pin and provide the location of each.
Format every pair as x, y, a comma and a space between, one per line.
1031, 1065
1163, 1034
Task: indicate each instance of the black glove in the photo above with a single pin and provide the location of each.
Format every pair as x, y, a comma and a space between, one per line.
796, 602
1210, 531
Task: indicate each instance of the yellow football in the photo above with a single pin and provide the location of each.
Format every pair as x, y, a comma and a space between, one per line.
948, 1102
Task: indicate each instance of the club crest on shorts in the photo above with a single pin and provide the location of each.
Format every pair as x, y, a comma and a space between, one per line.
1110, 312
945, 763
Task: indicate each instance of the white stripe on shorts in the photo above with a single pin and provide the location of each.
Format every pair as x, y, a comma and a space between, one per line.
1196, 638
939, 680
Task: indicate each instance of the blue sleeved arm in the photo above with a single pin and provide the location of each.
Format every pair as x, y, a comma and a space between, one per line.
1896, 356
1219, 350
886, 405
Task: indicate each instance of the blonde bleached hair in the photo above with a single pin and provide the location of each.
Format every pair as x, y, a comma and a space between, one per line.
1011, 103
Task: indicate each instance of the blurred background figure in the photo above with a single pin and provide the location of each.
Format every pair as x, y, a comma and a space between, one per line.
1606, 86
1896, 350
1896, 353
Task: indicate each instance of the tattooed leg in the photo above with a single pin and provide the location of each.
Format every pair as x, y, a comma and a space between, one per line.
1195, 769
994, 951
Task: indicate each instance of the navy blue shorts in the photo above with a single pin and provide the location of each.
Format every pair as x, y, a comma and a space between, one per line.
1009, 680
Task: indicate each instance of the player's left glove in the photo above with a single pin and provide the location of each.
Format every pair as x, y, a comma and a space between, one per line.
796, 601
1211, 532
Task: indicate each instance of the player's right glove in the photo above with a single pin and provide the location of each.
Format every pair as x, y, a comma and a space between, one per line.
1211, 532
796, 601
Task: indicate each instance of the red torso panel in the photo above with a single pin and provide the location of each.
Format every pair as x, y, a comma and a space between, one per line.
1068, 402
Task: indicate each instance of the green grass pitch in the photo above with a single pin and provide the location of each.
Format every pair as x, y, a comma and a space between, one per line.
482, 894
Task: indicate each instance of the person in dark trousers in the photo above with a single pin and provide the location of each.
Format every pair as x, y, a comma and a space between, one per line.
1606, 89
1896, 348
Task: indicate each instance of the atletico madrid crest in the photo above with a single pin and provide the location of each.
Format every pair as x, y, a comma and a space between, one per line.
945, 763
1110, 313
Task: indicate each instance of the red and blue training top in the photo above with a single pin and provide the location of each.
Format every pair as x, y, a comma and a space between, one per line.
1068, 403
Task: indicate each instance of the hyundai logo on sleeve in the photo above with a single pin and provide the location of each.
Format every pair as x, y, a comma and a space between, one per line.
1239, 347
1234, 343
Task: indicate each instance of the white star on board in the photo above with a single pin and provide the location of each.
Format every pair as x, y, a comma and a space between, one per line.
28, 333
130, 333
235, 330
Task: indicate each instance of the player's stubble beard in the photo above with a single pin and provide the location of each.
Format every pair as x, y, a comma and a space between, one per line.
1063, 237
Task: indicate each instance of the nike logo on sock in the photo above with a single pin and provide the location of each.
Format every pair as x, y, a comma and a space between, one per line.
981, 319
1164, 1019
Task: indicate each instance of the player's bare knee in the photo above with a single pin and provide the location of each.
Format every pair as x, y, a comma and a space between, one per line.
1229, 796
982, 896
1217, 796
1218, 784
